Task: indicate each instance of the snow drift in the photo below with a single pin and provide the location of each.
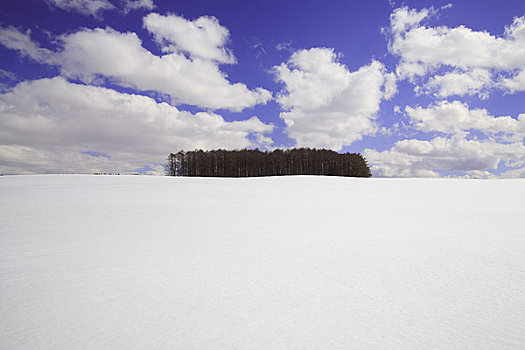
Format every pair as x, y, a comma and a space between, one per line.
136, 262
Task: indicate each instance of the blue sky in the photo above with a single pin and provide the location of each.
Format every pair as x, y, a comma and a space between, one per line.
421, 88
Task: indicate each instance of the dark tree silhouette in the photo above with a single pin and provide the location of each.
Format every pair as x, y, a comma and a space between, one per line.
249, 163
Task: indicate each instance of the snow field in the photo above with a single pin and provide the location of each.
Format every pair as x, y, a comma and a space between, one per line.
138, 262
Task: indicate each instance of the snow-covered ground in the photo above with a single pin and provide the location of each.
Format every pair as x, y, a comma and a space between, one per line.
137, 262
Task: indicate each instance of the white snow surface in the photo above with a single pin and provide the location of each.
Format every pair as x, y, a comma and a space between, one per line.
138, 262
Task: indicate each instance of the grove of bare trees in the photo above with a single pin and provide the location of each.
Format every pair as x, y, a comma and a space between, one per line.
248, 163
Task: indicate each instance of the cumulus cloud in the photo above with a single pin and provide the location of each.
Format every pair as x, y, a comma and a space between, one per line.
90, 54
516, 83
473, 82
420, 158
327, 105
203, 37
500, 140
48, 125
478, 174
459, 61
454, 117
390, 85
84, 7
403, 19
120, 56
513, 174
460, 47
475, 60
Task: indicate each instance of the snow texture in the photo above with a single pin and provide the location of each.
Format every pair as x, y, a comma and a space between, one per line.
138, 262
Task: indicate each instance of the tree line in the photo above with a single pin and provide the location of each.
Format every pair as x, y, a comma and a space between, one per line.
249, 163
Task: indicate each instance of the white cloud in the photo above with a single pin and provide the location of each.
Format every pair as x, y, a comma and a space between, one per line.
14, 39
513, 174
121, 57
457, 61
516, 83
420, 158
454, 117
500, 140
478, 174
390, 85
403, 19
84, 7
327, 105
461, 47
6, 79
45, 125
90, 54
95, 7
130, 5
474, 82
7, 75
475, 59
201, 38
29, 160
284, 46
